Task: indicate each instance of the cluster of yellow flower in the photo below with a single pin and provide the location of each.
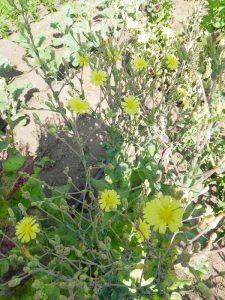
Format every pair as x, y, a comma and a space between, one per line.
131, 104
172, 63
160, 213
98, 78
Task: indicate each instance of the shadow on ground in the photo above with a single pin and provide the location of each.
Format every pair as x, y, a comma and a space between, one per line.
9, 72
63, 151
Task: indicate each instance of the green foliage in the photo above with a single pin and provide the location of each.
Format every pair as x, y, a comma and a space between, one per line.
11, 102
4, 266
9, 17
215, 18
168, 152
6, 13
13, 163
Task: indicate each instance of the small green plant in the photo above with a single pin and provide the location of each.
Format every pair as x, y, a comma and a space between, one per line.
10, 104
9, 17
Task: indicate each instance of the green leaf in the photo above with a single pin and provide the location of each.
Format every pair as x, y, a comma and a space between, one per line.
204, 290
175, 296
3, 145
14, 282
41, 41
14, 162
67, 269
54, 25
34, 186
4, 266
152, 149
100, 185
53, 292
37, 120
4, 209
57, 42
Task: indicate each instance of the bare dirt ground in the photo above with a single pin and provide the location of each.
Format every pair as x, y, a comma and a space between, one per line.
184, 9
34, 139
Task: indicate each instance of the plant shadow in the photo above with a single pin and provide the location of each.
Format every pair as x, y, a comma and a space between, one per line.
62, 153
9, 72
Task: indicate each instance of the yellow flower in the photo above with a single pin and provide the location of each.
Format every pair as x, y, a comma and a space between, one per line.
83, 60
143, 231
140, 63
79, 106
98, 77
162, 212
109, 200
172, 62
131, 105
27, 229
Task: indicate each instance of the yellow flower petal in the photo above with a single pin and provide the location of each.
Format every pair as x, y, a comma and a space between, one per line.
143, 231
140, 63
109, 200
83, 60
162, 212
27, 229
172, 62
98, 77
79, 106
162, 228
131, 105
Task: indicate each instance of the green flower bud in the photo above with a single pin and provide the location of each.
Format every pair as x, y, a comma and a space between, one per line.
103, 256
102, 246
20, 259
83, 277
36, 284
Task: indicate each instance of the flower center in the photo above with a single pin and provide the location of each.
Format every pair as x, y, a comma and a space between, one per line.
27, 229
108, 200
131, 104
98, 77
166, 214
